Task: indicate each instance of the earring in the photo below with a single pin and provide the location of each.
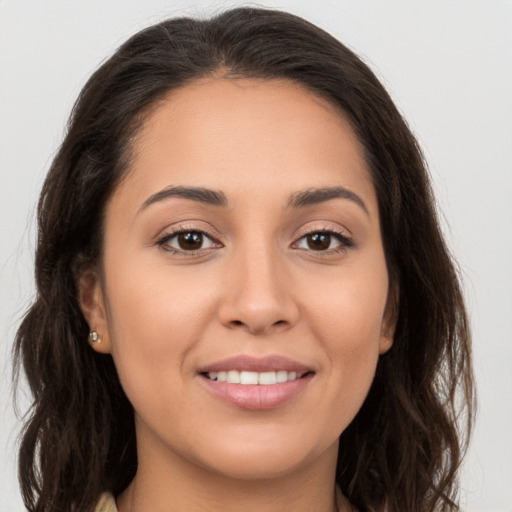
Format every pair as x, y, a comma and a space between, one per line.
94, 337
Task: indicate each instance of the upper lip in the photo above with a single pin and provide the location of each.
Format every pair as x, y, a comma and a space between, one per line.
270, 363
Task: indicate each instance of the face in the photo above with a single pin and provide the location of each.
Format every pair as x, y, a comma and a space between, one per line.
243, 290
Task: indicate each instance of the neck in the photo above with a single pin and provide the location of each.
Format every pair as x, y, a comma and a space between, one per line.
165, 482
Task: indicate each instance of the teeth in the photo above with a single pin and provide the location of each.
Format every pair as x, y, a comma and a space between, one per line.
253, 378
249, 378
233, 377
267, 378
282, 376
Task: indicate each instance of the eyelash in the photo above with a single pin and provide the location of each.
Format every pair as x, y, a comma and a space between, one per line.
165, 239
344, 241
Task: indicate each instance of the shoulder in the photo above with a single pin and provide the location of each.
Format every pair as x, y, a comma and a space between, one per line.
106, 503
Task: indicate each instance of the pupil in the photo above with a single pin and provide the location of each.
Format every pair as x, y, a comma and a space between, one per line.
190, 241
319, 241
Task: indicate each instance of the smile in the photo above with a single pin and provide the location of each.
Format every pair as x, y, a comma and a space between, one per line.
256, 383
249, 378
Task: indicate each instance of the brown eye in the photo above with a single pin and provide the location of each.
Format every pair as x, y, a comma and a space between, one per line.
318, 241
327, 241
190, 241
187, 241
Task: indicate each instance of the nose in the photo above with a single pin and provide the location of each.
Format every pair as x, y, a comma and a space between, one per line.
258, 294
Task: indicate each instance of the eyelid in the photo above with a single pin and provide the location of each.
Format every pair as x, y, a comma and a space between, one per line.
345, 239
341, 234
172, 232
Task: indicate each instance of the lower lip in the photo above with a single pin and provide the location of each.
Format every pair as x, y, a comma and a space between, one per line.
257, 397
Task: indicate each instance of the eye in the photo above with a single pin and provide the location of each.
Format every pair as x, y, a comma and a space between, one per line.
323, 241
187, 241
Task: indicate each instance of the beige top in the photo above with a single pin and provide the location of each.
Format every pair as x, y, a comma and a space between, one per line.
107, 502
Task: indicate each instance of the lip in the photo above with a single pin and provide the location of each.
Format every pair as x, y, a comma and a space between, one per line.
257, 397
256, 364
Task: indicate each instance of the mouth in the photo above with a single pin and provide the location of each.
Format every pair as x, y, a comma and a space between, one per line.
256, 383
250, 378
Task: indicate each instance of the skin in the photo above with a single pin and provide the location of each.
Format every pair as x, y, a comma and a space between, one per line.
254, 287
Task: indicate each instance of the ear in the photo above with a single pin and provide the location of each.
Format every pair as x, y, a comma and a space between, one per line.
92, 304
389, 320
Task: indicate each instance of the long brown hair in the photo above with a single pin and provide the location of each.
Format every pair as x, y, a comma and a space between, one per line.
403, 449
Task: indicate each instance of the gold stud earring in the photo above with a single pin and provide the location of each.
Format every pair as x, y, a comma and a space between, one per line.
94, 337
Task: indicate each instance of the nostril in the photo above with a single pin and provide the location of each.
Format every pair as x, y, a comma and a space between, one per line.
257, 323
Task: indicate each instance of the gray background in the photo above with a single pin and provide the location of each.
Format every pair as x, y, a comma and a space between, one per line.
447, 64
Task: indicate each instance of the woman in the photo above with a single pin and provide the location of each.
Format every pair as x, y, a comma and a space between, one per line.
240, 224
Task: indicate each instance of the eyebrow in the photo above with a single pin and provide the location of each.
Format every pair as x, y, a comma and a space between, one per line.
320, 195
200, 194
302, 199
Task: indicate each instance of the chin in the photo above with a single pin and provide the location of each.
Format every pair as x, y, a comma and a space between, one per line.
262, 466
265, 457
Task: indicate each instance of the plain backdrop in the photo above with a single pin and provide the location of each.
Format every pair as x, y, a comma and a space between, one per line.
447, 64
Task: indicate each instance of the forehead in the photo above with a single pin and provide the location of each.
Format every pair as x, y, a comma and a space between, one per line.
233, 133
268, 105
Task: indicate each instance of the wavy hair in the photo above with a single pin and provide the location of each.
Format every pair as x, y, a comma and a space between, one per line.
403, 449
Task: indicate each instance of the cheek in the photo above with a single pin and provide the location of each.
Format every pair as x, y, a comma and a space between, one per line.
348, 310
154, 318
347, 320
